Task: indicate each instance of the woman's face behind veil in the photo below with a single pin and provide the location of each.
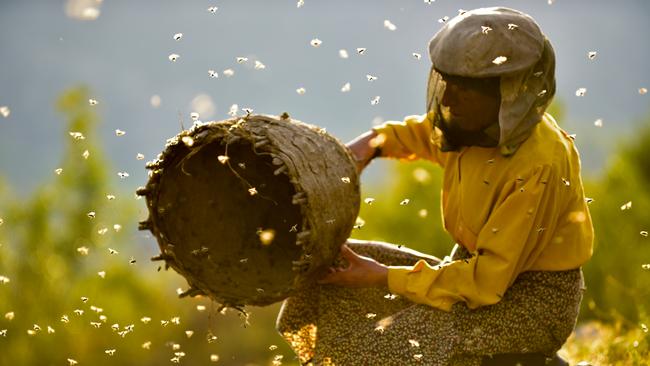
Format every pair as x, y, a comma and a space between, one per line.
467, 107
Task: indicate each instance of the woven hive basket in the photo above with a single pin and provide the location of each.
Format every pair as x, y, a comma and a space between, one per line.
250, 209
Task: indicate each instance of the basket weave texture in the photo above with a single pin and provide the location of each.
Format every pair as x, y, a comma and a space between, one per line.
251, 209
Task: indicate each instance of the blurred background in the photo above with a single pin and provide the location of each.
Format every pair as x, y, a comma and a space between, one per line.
76, 283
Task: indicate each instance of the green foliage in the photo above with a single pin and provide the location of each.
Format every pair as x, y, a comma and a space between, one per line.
607, 344
556, 109
618, 284
415, 223
42, 241
637, 152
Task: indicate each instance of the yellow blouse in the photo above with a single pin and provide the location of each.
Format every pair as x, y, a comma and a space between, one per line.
525, 212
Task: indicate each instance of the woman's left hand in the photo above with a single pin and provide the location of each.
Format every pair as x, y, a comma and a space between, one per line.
360, 272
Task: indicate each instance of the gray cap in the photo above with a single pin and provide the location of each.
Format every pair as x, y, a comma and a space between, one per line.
487, 42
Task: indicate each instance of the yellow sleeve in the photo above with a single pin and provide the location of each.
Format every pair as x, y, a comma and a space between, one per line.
409, 140
512, 238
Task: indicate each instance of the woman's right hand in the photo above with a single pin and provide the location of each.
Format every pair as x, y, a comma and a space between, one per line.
363, 149
360, 272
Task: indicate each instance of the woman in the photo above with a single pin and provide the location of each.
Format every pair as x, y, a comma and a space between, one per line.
512, 199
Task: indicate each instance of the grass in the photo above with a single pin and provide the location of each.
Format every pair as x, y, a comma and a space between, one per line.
603, 344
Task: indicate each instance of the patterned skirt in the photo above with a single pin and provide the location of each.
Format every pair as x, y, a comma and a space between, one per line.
333, 325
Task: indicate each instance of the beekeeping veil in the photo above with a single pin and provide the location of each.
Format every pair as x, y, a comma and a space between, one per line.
497, 42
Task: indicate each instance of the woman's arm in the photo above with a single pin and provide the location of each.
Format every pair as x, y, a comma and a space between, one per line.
517, 231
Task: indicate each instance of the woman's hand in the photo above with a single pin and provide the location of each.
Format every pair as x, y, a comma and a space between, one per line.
360, 272
363, 149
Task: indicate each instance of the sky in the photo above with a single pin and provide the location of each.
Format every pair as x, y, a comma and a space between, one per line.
122, 56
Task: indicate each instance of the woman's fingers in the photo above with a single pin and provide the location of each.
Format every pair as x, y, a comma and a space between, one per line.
335, 275
331, 277
340, 275
349, 254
